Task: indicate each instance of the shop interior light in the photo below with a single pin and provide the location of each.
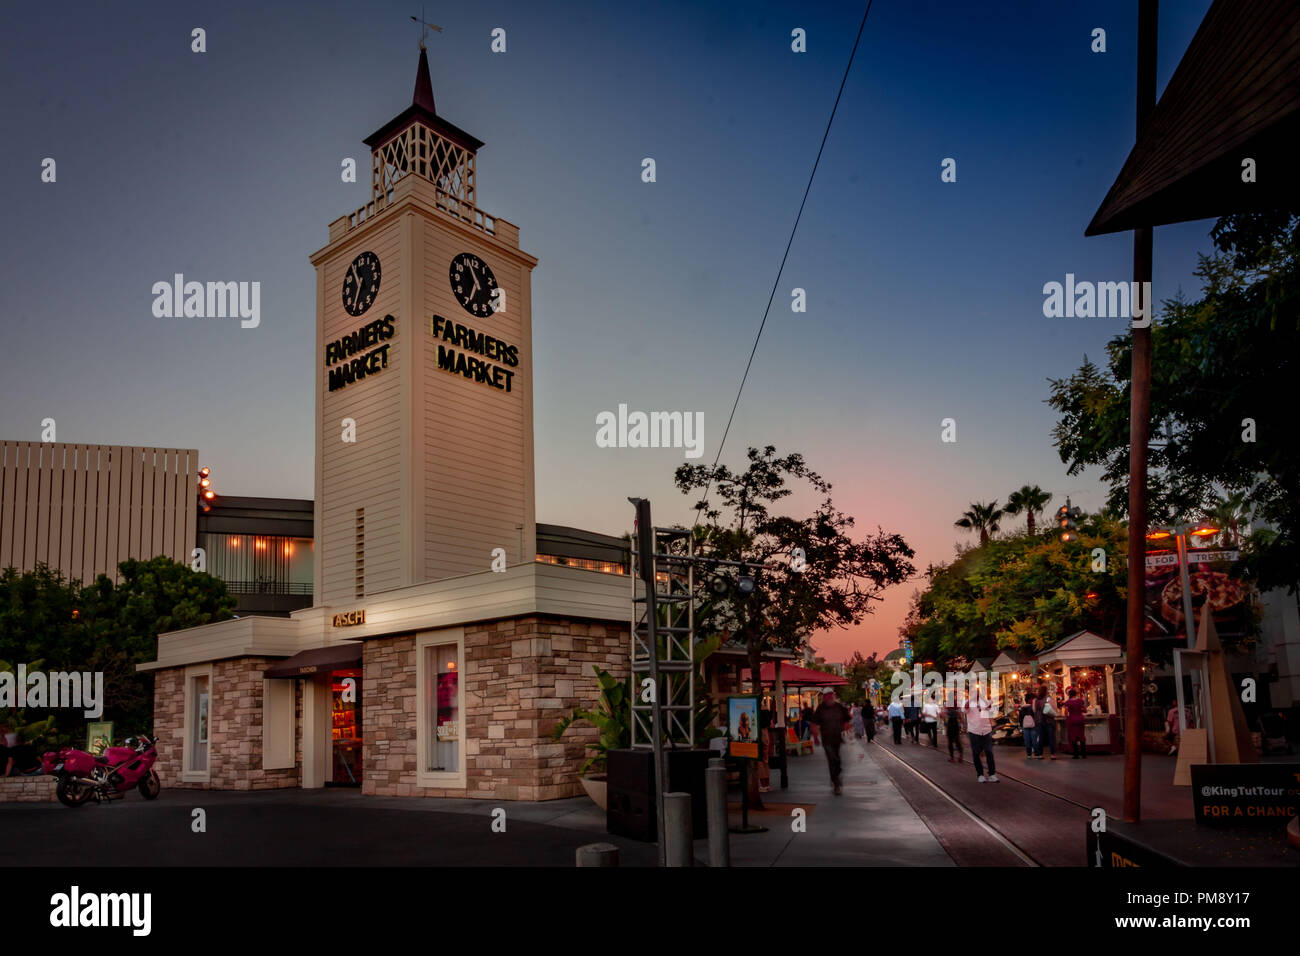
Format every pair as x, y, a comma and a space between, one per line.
209, 494
204, 472
205, 483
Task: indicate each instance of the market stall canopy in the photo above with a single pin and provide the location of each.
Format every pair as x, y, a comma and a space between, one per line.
319, 659
1082, 649
1009, 661
1234, 96
792, 675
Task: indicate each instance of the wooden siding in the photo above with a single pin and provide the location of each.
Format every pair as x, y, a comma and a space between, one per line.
368, 473
83, 509
478, 440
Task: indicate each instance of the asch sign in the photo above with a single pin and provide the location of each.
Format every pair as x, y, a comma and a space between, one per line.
350, 618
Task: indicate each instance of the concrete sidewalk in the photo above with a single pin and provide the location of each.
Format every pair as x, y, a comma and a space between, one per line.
871, 824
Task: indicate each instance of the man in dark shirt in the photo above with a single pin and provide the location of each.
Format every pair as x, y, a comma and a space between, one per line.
832, 718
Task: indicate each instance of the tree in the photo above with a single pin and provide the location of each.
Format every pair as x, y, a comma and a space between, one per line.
1020, 592
1222, 395
835, 584
982, 518
1229, 514
105, 627
1030, 499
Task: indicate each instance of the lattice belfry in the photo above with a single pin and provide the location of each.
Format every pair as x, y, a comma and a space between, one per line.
675, 642
419, 150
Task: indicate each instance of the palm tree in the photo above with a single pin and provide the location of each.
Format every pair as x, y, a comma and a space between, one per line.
1229, 514
982, 518
1030, 499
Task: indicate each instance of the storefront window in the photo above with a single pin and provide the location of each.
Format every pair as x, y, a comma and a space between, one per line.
345, 693
442, 687
199, 724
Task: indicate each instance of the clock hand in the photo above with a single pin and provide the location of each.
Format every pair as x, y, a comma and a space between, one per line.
352, 270
474, 275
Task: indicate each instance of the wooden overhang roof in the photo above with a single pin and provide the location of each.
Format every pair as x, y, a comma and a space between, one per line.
1235, 94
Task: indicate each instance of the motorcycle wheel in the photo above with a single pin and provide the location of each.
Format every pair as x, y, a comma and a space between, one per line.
72, 794
150, 786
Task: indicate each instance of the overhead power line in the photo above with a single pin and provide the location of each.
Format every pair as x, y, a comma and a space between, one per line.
786, 255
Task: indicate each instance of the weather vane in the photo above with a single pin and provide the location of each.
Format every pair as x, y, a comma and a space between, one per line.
425, 27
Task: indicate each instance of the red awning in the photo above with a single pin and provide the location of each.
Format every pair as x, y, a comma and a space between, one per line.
792, 675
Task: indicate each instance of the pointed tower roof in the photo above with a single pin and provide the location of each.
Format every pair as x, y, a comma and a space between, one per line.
422, 109
423, 85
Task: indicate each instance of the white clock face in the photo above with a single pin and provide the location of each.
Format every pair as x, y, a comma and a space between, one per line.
361, 283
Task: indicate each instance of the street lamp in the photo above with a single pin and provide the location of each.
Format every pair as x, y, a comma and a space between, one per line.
1180, 534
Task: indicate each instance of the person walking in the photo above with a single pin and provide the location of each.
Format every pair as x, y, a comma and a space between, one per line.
952, 729
832, 719
1028, 726
895, 713
1074, 708
869, 721
807, 722
979, 730
859, 726
930, 722
912, 719
1046, 725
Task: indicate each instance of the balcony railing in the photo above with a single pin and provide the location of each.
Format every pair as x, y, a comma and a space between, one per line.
268, 587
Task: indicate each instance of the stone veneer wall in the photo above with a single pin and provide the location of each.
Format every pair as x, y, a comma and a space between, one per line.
36, 789
521, 675
234, 732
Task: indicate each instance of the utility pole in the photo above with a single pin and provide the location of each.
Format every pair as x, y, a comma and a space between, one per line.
1139, 439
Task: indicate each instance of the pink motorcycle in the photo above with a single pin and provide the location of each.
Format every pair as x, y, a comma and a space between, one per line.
83, 776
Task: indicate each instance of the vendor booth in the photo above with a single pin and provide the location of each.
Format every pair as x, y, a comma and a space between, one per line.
1088, 663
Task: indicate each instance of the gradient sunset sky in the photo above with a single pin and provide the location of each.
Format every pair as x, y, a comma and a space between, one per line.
924, 298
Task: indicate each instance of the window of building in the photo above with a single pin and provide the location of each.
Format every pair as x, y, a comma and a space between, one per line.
197, 723
260, 563
441, 725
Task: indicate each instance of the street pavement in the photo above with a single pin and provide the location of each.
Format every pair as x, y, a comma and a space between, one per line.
1046, 829
901, 806
871, 824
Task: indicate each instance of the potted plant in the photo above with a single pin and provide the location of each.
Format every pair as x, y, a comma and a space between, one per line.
612, 717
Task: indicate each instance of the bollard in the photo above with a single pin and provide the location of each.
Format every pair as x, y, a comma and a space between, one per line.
715, 789
597, 854
679, 843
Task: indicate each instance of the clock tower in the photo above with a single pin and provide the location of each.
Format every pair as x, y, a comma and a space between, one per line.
424, 385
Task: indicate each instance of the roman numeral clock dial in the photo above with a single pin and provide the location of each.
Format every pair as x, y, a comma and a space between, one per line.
361, 283
473, 284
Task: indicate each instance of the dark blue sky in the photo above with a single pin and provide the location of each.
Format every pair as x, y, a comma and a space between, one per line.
924, 298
